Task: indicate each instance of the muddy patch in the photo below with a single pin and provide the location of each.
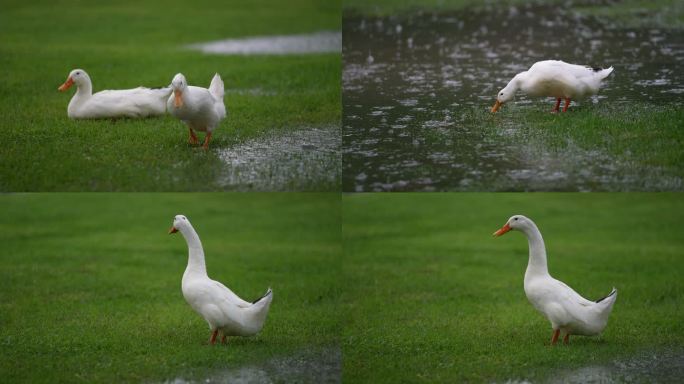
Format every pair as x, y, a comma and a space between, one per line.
319, 42
318, 366
661, 367
302, 160
412, 84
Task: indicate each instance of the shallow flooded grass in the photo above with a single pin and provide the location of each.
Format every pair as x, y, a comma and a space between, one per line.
418, 88
309, 159
315, 365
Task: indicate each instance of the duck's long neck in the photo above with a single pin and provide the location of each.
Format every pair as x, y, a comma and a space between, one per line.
196, 263
516, 82
85, 89
536, 264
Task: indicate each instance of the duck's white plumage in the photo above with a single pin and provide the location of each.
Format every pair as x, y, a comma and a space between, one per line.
201, 109
223, 310
137, 102
554, 78
563, 307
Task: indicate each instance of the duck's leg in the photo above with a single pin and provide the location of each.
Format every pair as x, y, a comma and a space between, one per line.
566, 339
224, 339
554, 338
567, 104
212, 340
206, 140
193, 138
555, 109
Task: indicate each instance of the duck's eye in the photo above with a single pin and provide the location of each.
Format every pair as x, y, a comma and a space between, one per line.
501, 94
516, 219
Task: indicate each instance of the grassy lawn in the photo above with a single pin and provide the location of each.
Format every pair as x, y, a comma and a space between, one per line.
432, 297
90, 283
130, 43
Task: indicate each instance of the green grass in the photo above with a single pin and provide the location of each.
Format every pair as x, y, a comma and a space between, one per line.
131, 43
90, 283
432, 297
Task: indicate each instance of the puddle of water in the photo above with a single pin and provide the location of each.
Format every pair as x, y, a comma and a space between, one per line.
303, 160
662, 367
412, 83
318, 366
319, 42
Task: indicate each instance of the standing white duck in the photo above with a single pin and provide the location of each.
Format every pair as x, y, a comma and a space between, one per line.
557, 79
200, 108
137, 102
223, 310
564, 308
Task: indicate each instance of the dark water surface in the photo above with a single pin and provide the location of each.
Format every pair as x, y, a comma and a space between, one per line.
417, 87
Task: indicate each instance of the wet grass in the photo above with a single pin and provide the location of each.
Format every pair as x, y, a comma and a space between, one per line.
433, 297
90, 283
631, 136
128, 44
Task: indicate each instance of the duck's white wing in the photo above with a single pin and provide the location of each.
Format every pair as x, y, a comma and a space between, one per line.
566, 294
221, 290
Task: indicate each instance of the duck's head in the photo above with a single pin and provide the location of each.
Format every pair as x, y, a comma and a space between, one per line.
77, 76
502, 97
179, 85
180, 222
516, 222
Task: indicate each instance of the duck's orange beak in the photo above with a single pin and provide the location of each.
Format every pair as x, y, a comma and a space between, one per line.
67, 84
501, 231
496, 106
177, 100
172, 230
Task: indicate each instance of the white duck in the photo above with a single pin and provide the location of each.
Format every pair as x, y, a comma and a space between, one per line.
557, 79
137, 102
223, 310
200, 108
564, 308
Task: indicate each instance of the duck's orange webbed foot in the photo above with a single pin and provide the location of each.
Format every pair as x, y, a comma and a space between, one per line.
193, 138
554, 338
212, 340
206, 140
567, 104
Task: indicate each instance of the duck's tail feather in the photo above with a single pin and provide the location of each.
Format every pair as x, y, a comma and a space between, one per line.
613, 292
216, 87
603, 73
268, 293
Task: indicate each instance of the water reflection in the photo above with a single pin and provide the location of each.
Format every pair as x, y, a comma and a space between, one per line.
416, 89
